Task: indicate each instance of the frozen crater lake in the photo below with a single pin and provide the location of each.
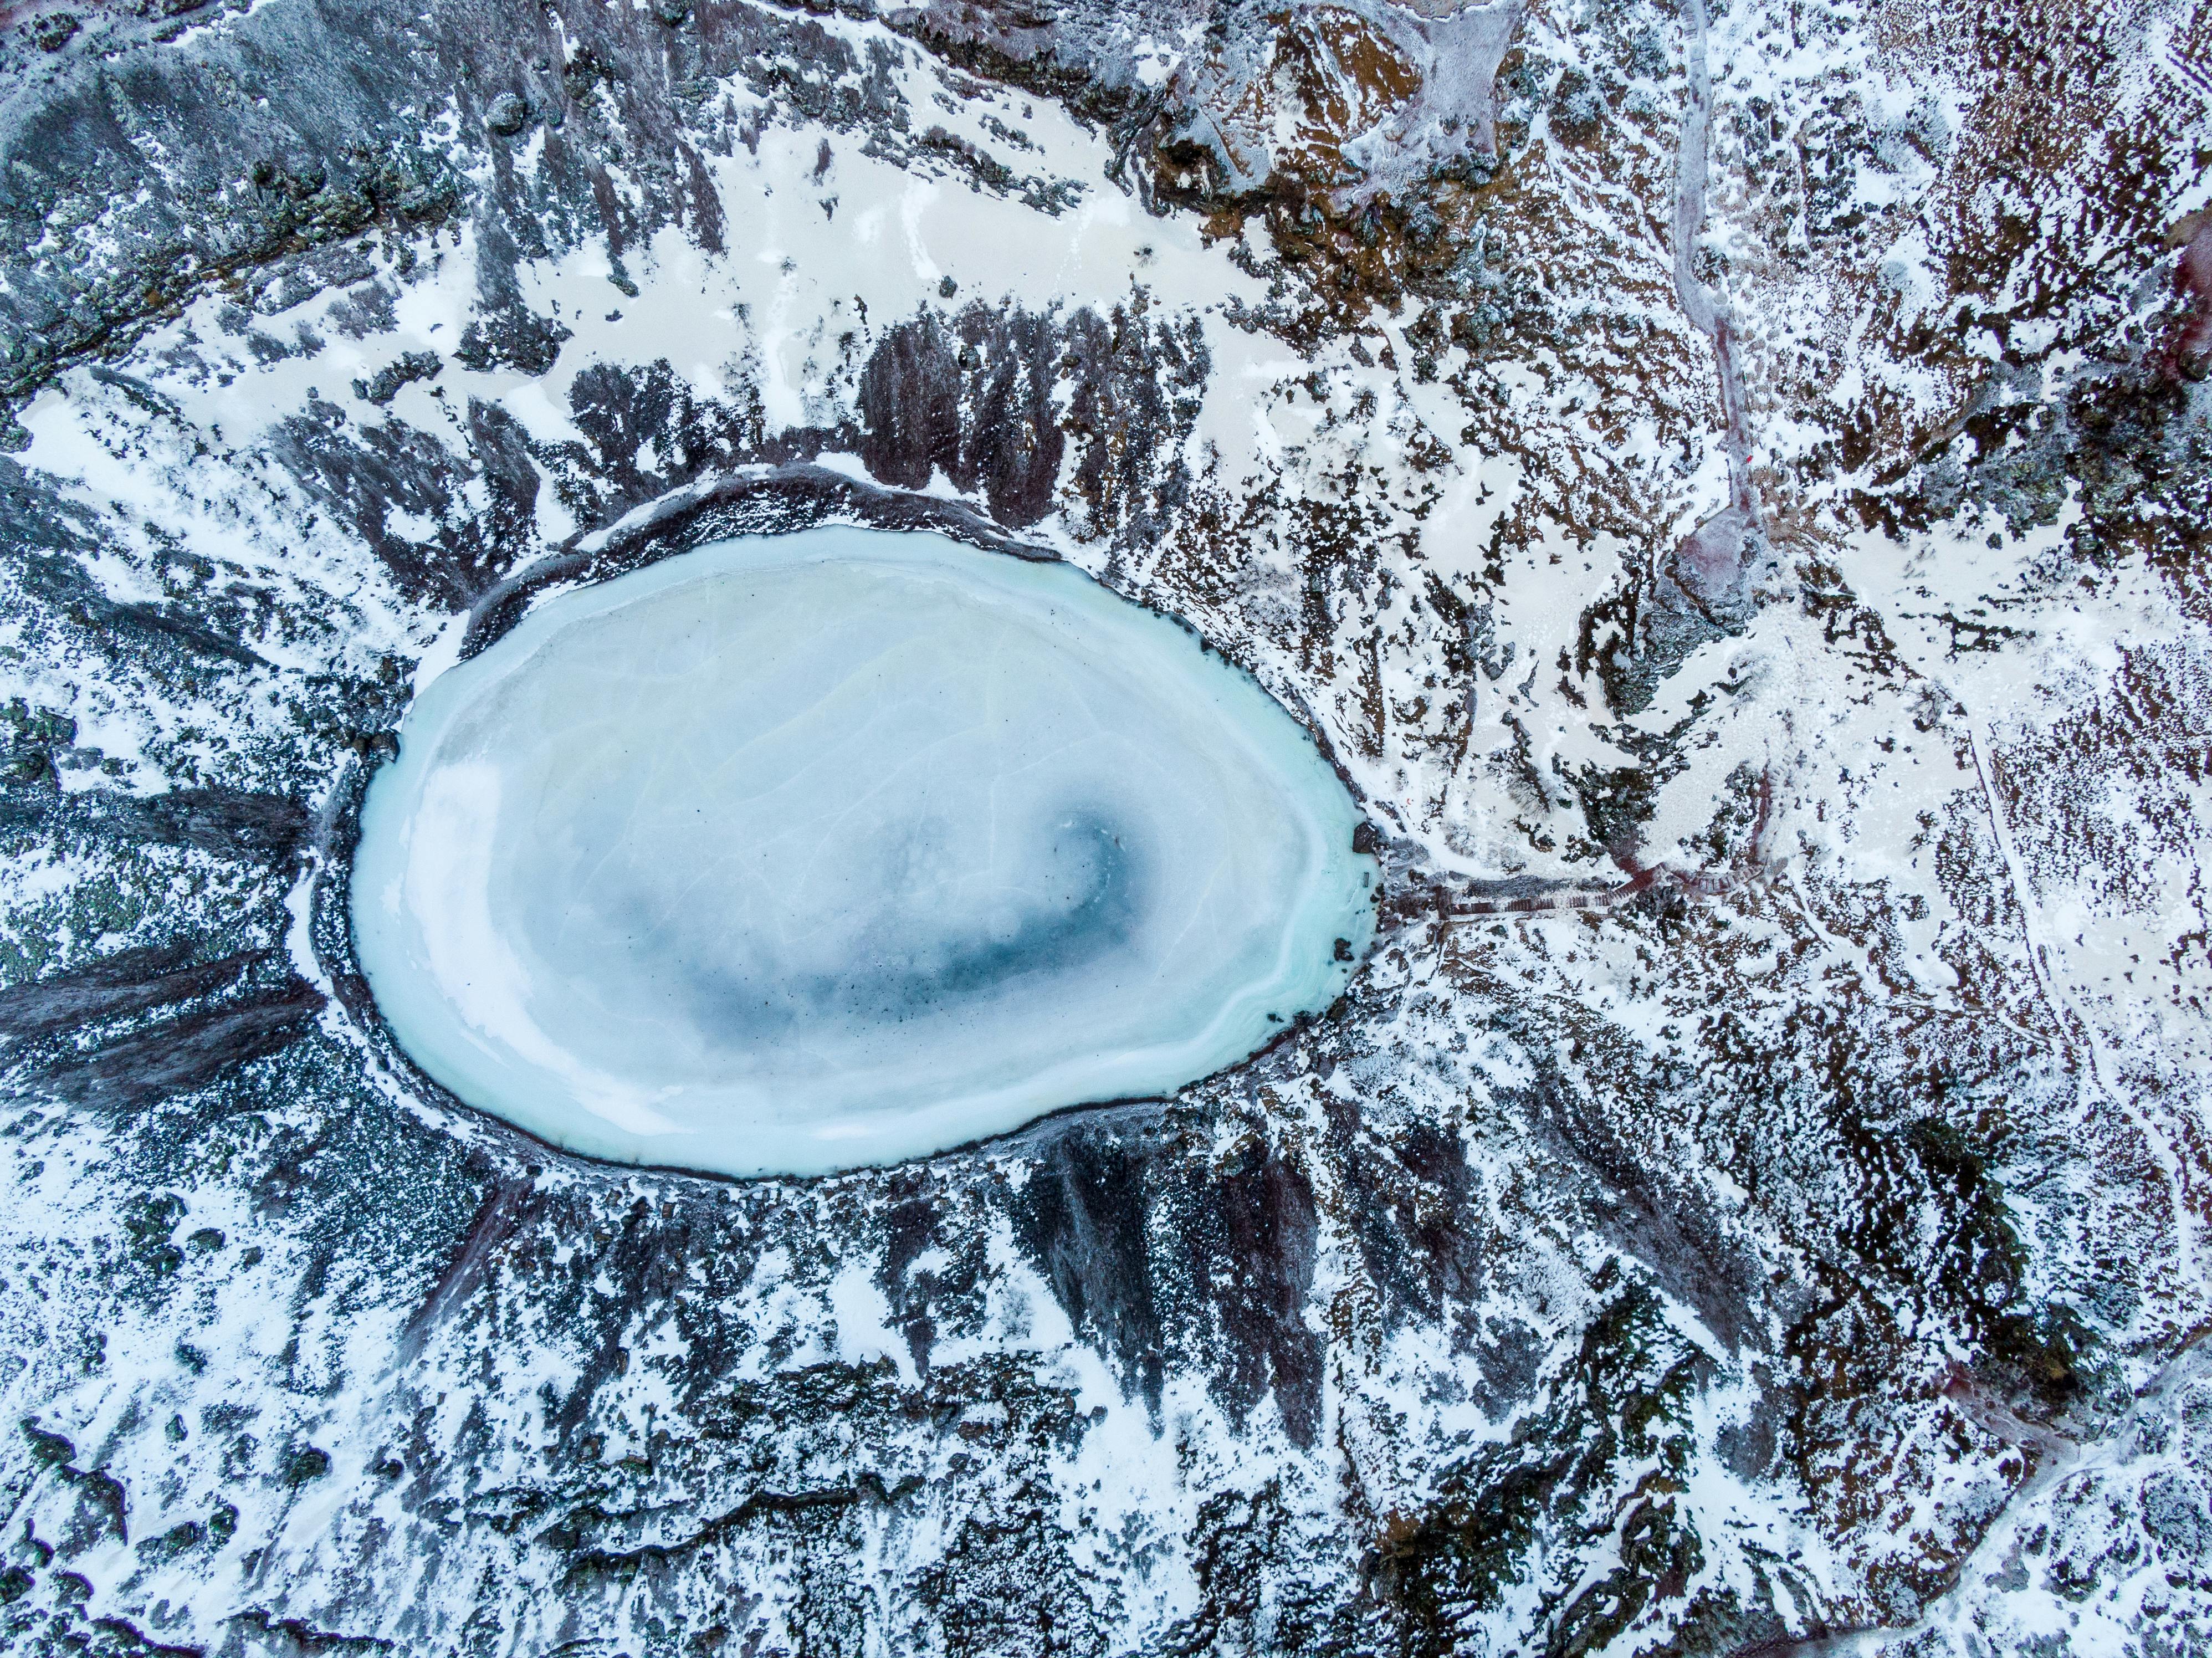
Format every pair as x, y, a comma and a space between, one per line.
798, 853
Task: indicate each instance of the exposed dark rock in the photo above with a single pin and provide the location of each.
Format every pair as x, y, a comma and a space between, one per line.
1249, 1231
911, 405
385, 383
130, 981
53, 30
506, 114
619, 412
1672, 1230
184, 1053
975, 400
1609, 1418
231, 822
1085, 1218
511, 338
1421, 1192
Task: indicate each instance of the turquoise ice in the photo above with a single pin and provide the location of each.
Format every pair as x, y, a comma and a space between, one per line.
794, 853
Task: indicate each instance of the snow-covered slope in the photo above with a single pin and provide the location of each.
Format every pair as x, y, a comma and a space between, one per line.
1726, 485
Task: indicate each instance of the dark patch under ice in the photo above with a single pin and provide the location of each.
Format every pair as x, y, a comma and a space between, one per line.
798, 853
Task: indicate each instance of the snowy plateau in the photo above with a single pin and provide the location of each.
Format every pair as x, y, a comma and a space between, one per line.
1713, 495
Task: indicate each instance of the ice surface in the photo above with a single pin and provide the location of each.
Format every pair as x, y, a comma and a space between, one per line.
798, 853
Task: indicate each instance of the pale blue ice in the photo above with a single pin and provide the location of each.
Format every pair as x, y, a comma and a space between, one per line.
799, 853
